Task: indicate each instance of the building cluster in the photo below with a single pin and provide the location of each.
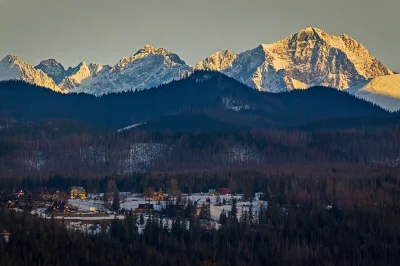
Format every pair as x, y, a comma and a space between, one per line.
78, 193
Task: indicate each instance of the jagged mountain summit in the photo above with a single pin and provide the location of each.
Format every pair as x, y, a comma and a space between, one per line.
149, 67
308, 58
218, 61
69, 79
53, 69
13, 68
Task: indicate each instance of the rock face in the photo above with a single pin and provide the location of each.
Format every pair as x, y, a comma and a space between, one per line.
76, 76
383, 91
13, 68
53, 69
149, 67
308, 58
216, 62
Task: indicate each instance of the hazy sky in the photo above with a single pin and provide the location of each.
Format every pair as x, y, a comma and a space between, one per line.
102, 31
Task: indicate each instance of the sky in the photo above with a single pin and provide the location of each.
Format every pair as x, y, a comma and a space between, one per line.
104, 31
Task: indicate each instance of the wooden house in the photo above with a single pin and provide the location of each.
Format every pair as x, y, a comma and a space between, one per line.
78, 193
223, 191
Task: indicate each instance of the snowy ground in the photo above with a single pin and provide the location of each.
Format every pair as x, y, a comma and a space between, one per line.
88, 205
86, 228
216, 210
88, 219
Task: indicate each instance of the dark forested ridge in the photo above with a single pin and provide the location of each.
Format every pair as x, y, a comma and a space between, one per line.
327, 163
203, 101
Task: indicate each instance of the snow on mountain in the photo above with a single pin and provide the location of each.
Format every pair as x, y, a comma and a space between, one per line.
382, 90
131, 126
80, 75
149, 67
76, 77
217, 61
95, 69
53, 69
308, 58
235, 105
13, 68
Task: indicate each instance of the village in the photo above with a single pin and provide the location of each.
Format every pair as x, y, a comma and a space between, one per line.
92, 213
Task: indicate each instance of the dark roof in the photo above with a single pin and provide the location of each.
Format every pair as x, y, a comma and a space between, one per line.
145, 206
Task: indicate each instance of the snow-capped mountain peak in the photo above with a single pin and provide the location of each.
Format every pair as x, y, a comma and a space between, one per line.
53, 69
76, 76
310, 57
149, 49
11, 58
149, 67
13, 68
217, 61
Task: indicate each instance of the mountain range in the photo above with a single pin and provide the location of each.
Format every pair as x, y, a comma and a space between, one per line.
305, 59
203, 101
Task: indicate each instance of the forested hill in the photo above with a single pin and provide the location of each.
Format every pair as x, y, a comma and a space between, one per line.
203, 101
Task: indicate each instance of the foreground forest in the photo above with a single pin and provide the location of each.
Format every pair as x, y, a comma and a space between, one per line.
316, 215
333, 194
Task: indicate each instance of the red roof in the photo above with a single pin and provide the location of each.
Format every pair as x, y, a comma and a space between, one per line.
223, 191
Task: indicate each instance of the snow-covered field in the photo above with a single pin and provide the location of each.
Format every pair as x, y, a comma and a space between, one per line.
87, 205
86, 228
217, 210
91, 216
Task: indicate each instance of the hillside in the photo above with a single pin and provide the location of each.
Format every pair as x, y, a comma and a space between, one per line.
210, 95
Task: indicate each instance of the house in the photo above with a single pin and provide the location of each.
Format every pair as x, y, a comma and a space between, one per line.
223, 191
145, 208
78, 193
158, 196
20, 194
60, 196
47, 194
212, 192
59, 206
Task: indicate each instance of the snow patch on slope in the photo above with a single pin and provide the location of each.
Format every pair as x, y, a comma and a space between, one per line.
131, 126
235, 105
383, 90
139, 156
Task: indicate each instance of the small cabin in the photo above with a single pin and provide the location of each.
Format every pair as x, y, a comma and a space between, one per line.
224, 191
212, 192
158, 196
78, 193
20, 194
145, 208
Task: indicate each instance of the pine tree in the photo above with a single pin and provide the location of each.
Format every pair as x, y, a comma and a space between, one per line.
251, 214
222, 217
141, 219
233, 213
